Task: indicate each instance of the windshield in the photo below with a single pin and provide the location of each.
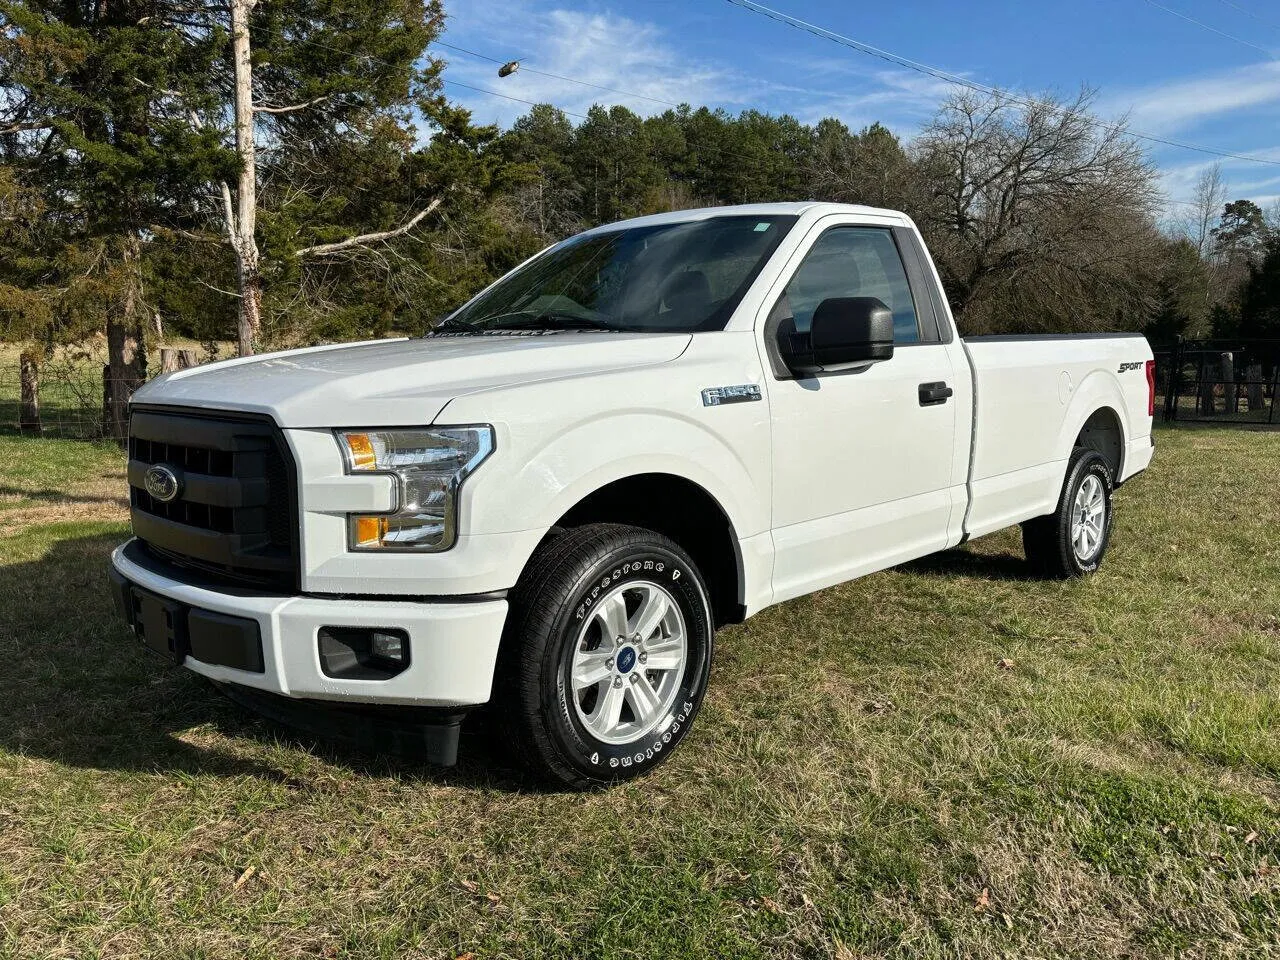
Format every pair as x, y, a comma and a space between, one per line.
681, 277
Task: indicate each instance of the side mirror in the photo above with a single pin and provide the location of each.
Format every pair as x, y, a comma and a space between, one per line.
846, 332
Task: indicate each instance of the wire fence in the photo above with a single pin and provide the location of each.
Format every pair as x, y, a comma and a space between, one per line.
1223, 382
72, 394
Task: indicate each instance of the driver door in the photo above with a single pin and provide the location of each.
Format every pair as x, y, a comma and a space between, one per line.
862, 465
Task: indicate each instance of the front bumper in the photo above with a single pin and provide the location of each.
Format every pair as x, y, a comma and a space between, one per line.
453, 642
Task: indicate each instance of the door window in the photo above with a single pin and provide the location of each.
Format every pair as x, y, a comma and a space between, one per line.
852, 262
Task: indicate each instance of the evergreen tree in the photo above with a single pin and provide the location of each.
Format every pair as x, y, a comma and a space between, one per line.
1260, 299
81, 124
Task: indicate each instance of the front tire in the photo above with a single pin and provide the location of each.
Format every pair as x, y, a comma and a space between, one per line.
605, 657
1071, 541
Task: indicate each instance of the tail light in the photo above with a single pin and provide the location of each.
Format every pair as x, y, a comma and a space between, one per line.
1151, 388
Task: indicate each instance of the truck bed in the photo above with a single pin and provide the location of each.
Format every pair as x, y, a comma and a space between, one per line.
1032, 395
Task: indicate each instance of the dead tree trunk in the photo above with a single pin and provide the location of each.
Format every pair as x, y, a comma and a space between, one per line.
29, 414
248, 266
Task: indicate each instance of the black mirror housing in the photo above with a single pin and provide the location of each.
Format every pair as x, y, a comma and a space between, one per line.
846, 332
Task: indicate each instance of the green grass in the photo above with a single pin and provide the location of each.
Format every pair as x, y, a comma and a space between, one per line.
862, 771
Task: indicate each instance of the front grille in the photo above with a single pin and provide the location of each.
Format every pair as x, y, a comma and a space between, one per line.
234, 514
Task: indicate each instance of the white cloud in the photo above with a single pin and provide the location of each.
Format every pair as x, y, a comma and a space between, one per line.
1180, 104
604, 49
1245, 179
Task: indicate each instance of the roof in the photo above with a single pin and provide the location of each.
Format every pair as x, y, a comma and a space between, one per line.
748, 210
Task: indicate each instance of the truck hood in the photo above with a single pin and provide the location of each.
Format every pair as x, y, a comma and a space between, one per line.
399, 382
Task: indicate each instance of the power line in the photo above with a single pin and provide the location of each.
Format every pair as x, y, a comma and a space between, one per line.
1211, 29
506, 96
1250, 13
940, 74
556, 76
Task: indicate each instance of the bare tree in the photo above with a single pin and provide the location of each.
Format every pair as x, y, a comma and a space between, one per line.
241, 223
1040, 216
1273, 217
1205, 207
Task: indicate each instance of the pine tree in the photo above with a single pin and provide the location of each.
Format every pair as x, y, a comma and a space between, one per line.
80, 125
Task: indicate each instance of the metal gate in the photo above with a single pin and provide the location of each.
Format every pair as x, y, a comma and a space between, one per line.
1220, 381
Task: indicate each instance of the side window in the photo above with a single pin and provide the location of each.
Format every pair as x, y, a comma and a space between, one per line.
852, 262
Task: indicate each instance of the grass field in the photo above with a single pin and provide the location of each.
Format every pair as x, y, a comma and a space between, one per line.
944, 760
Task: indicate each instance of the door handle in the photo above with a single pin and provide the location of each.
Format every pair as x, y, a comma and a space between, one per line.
932, 394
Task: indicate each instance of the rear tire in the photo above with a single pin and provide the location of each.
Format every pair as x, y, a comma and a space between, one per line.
605, 657
1071, 541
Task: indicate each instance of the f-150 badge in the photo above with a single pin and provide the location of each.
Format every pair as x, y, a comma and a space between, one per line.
738, 393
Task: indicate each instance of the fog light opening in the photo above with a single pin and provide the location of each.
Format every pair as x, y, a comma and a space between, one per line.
390, 646
363, 653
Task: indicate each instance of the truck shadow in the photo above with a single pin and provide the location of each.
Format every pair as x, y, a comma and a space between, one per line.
961, 562
78, 689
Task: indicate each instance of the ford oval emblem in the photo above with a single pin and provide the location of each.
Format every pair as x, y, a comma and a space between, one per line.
162, 482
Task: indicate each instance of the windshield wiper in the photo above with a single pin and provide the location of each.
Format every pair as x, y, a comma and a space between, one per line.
449, 324
544, 321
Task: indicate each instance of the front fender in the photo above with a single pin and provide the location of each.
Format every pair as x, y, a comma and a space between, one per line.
542, 478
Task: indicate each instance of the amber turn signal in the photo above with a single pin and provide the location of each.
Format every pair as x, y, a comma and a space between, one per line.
368, 531
360, 451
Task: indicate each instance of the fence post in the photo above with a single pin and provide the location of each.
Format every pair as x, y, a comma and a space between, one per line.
29, 376
108, 401
188, 358
1204, 387
1275, 395
1173, 383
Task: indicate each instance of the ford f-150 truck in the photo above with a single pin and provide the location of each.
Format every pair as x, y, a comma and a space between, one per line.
551, 501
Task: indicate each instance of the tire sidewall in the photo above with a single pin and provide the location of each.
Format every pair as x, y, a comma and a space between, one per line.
632, 563
1088, 464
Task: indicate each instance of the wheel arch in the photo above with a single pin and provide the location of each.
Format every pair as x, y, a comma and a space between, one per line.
1096, 418
1103, 432
684, 511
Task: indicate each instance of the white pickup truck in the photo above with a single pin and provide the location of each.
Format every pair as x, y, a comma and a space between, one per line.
551, 501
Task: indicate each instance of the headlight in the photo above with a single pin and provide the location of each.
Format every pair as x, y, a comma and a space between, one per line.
429, 466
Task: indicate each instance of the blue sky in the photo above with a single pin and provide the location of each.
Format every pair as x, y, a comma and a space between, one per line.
1171, 77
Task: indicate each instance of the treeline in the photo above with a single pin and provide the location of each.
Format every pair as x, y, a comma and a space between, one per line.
286, 172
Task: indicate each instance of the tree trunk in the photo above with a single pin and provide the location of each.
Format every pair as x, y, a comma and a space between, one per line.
248, 267
29, 416
126, 367
1253, 374
172, 359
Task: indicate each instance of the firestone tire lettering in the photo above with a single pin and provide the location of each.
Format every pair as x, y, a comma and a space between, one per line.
566, 579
